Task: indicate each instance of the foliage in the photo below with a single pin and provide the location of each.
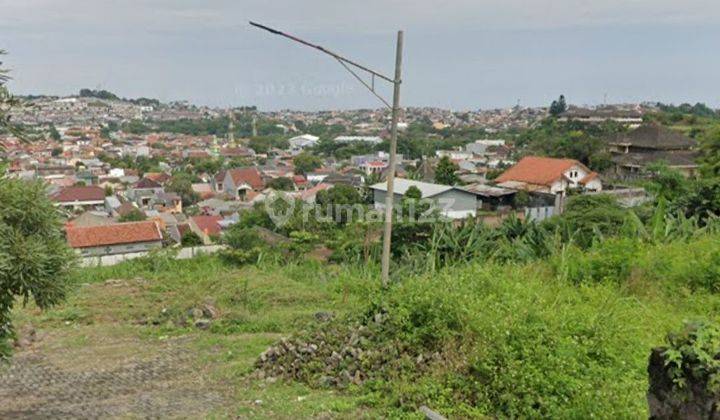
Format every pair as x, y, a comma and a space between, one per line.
588, 216
306, 163
134, 215
281, 184
35, 260
558, 106
340, 202
571, 139
445, 172
665, 183
7, 102
702, 200
181, 184
190, 238
693, 355
710, 153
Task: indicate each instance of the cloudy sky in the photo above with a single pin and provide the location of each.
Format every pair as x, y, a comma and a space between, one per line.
459, 54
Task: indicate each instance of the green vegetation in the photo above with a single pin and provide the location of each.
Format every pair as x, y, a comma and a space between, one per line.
306, 163
558, 106
35, 260
445, 172
134, 215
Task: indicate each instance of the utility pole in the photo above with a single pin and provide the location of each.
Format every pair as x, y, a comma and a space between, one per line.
396, 81
387, 236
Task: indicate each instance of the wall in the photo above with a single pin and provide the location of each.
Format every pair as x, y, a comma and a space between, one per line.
120, 249
183, 254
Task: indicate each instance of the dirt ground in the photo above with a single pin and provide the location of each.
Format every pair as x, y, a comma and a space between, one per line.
124, 378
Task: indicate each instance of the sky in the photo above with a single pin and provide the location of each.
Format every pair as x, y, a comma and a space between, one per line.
459, 54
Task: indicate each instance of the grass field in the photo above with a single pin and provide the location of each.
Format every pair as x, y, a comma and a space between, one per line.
566, 337
137, 309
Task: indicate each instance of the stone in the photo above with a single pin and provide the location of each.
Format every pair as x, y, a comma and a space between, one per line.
209, 311
324, 316
202, 323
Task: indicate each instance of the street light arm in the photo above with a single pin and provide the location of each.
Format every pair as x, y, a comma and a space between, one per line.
324, 50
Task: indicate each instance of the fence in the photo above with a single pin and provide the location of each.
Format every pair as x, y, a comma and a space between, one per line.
183, 254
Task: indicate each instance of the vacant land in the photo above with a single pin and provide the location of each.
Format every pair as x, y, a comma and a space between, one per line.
126, 344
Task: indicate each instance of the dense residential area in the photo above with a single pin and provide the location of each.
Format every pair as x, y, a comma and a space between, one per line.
194, 172
219, 207
243, 210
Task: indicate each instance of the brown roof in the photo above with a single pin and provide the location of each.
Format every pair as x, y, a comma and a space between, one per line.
115, 234
208, 224
159, 177
147, 183
250, 176
655, 136
79, 193
538, 170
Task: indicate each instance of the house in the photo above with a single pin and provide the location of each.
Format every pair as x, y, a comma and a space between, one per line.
358, 139
143, 191
79, 197
651, 143
629, 117
300, 143
240, 183
453, 202
118, 238
550, 175
206, 227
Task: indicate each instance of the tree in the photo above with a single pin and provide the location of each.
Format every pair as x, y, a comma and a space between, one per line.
281, 184
181, 184
7, 102
306, 163
445, 172
586, 216
340, 202
54, 134
666, 183
191, 238
35, 261
710, 153
702, 200
558, 106
134, 215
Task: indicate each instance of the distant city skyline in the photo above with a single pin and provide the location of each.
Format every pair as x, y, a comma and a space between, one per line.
459, 55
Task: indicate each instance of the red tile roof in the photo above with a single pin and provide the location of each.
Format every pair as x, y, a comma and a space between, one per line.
538, 170
159, 177
250, 176
147, 183
115, 234
208, 224
79, 193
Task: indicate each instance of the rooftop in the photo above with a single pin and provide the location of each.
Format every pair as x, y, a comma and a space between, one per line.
115, 234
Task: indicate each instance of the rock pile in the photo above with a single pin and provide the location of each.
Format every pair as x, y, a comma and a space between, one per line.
338, 354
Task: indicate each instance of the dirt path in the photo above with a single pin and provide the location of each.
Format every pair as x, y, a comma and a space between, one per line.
112, 379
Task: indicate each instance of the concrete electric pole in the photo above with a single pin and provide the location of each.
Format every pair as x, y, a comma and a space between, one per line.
395, 107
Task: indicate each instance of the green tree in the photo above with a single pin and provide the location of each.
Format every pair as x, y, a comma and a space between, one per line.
340, 202
586, 216
306, 163
7, 102
445, 172
181, 184
54, 134
134, 215
281, 184
702, 199
191, 238
558, 106
665, 183
710, 153
35, 261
